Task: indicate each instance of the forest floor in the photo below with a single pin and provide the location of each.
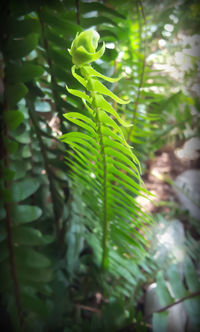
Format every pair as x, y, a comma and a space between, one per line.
165, 166
161, 173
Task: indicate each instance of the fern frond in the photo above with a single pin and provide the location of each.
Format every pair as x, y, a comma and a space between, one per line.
106, 166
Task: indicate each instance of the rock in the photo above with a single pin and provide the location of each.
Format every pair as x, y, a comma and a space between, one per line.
187, 188
151, 303
177, 317
168, 242
190, 150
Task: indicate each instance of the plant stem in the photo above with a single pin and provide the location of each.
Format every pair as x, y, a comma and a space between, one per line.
142, 73
33, 118
131, 326
104, 261
173, 304
78, 12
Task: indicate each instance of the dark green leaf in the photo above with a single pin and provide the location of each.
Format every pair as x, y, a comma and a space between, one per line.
22, 214
62, 25
160, 321
31, 258
34, 304
15, 93
26, 153
192, 308
61, 59
19, 168
29, 236
93, 6
23, 189
25, 27
22, 47
176, 282
13, 119
191, 276
90, 22
23, 73
162, 290
7, 174
32, 275
23, 138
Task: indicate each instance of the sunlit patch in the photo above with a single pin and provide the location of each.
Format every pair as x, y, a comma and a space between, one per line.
162, 42
110, 45
120, 55
152, 286
168, 240
166, 33
54, 123
145, 203
156, 172
169, 27
127, 70
174, 18
183, 60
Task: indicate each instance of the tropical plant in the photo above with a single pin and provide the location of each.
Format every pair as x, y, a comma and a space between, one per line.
72, 230
103, 162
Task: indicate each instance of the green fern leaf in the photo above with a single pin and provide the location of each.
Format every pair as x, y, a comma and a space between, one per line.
104, 164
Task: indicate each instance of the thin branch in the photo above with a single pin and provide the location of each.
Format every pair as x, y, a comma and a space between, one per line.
174, 303
31, 110
78, 11
92, 309
31, 149
160, 310
142, 10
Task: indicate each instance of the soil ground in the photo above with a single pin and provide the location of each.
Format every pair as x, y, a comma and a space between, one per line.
165, 165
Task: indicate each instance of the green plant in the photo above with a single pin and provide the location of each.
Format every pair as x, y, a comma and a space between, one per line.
52, 252
103, 166
34, 186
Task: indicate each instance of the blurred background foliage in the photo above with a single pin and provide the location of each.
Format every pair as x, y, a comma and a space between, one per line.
50, 276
